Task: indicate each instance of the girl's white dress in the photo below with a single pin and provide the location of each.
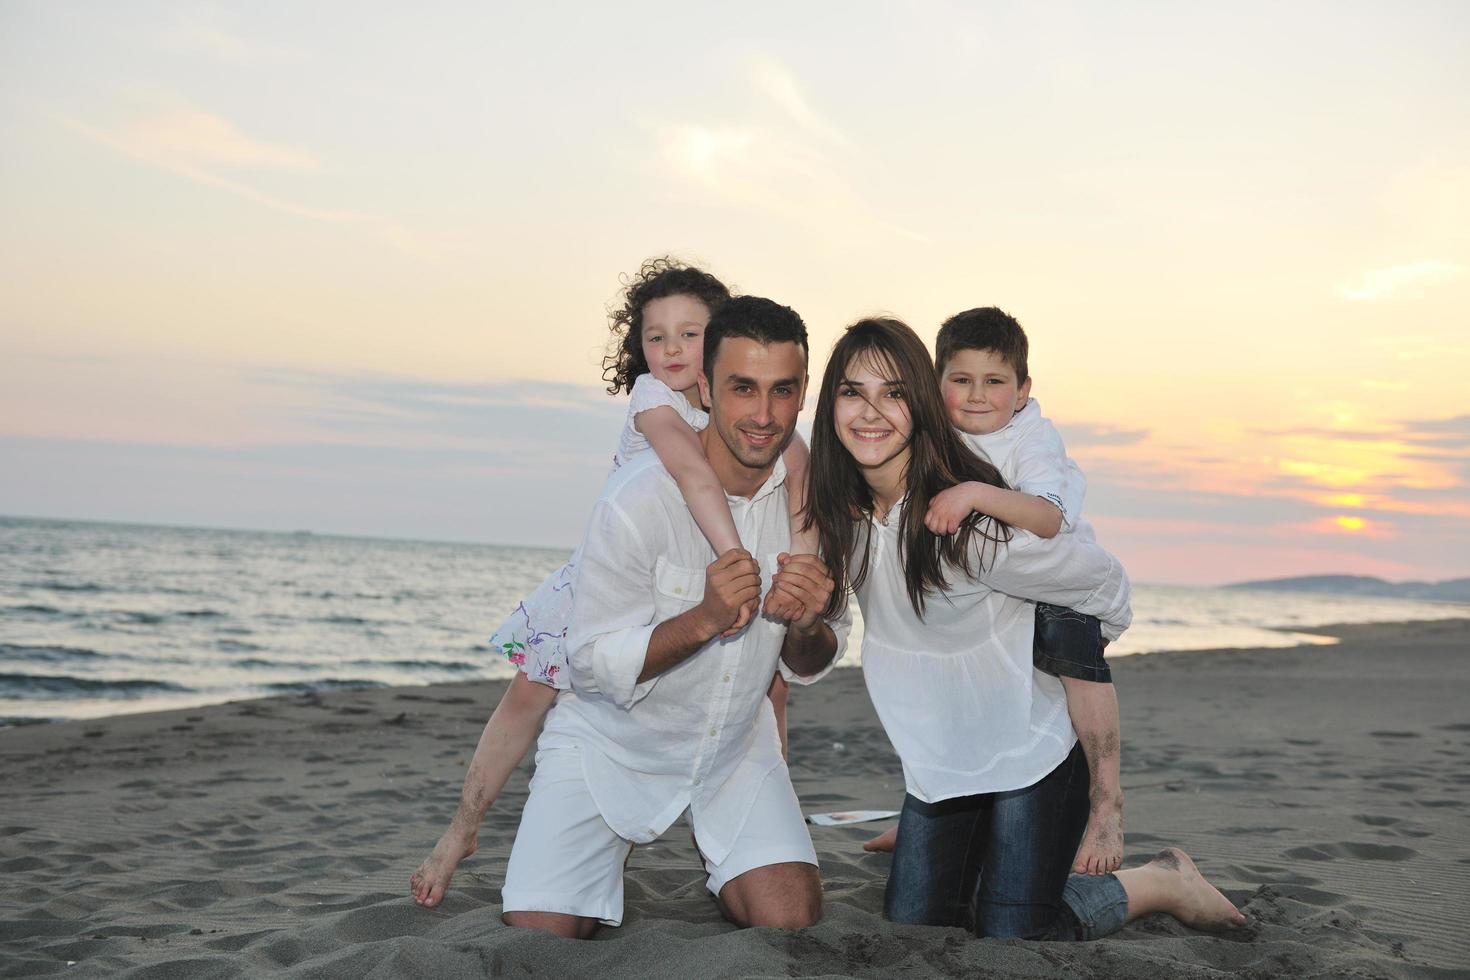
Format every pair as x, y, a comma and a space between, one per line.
534, 637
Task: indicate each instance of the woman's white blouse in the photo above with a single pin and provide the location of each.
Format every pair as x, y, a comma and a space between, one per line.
956, 691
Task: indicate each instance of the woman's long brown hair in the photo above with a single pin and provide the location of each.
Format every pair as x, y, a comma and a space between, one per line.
840, 501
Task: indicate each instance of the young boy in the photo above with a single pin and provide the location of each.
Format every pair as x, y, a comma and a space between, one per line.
981, 360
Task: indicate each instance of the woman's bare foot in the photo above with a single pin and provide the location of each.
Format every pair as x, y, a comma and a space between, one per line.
1101, 850
885, 841
1171, 883
431, 880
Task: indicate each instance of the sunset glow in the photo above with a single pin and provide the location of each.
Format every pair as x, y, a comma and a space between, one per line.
348, 271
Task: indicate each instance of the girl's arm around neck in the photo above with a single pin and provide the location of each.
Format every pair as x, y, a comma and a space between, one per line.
803, 542
679, 449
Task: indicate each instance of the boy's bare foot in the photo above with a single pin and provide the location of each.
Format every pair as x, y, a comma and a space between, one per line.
1101, 850
1191, 899
431, 880
885, 841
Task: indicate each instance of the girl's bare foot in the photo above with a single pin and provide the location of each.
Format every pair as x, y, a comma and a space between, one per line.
1191, 899
885, 841
1101, 850
431, 880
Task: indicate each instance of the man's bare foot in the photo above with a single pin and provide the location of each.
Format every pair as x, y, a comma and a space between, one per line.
885, 841
1193, 900
1101, 850
431, 880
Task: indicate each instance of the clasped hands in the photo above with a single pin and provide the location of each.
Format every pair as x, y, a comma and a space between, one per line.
799, 591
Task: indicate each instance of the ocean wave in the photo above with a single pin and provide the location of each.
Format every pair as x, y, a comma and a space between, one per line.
37, 609
251, 663
52, 585
49, 654
63, 686
144, 618
237, 646
452, 665
326, 684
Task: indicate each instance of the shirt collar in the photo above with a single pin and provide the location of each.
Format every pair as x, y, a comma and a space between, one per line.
1031, 410
773, 482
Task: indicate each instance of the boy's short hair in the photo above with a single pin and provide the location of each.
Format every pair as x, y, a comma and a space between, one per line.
983, 328
756, 318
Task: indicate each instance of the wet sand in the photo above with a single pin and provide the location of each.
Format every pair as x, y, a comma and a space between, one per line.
1324, 789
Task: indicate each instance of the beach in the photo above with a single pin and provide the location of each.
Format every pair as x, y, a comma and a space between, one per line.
1322, 788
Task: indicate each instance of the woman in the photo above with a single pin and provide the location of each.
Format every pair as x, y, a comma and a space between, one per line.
997, 784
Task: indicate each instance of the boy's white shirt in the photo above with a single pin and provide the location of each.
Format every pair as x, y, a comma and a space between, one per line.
1030, 454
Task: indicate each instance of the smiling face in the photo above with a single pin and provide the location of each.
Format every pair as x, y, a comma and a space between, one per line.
673, 340
981, 391
754, 397
872, 418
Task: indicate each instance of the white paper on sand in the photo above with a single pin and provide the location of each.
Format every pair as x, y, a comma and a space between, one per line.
848, 816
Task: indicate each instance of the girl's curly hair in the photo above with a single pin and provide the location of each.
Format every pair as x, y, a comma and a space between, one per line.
657, 278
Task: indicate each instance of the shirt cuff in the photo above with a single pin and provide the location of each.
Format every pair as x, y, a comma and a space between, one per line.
617, 660
1052, 497
1120, 614
792, 677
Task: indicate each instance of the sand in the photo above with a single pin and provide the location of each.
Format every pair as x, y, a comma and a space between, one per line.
1324, 789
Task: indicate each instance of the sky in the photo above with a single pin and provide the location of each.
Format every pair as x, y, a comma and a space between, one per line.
345, 267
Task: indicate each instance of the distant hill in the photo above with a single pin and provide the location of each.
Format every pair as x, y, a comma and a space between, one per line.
1452, 590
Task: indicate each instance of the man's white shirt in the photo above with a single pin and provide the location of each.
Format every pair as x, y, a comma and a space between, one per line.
701, 734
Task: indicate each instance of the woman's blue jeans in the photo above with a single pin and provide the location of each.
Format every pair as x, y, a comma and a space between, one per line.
999, 863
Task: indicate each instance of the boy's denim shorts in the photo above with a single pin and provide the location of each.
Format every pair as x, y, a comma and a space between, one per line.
1069, 644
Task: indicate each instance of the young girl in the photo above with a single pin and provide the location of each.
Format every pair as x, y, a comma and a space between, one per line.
658, 349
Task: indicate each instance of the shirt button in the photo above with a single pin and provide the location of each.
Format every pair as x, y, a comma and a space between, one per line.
727, 678
713, 732
678, 590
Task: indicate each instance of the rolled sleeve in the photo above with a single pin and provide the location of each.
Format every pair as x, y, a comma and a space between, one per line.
841, 627
616, 661
1043, 468
607, 642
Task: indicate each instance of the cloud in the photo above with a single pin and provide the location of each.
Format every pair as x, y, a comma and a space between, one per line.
781, 86
523, 418
1410, 280
191, 136
1083, 434
780, 162
221, 45
191, 144
1451, 433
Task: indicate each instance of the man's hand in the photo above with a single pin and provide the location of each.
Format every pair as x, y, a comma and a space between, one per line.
949, 508
799, 590
732, 588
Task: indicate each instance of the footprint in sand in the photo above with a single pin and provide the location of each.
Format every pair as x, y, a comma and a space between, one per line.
1373, 820
1351, 849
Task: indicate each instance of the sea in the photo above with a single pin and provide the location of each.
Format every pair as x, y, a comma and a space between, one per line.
100, 619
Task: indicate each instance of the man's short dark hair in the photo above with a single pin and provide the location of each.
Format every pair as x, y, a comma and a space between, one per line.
984, 328
762, 320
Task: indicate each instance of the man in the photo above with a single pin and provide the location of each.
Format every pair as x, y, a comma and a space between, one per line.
665, 714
